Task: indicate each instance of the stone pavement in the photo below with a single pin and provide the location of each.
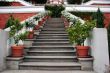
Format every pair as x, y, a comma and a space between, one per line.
43, 71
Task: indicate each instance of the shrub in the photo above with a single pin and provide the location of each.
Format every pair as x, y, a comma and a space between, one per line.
4, 3
83, 15
55, 9
78, 32
40, 1
98, 16
74, 1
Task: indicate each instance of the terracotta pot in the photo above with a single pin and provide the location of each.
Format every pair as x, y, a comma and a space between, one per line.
49, 17
17, 51
82, 51
30, 35
40, 23
43, 20
36, 27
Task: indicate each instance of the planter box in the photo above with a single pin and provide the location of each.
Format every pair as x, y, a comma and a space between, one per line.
13, 63
86, 63
28, 42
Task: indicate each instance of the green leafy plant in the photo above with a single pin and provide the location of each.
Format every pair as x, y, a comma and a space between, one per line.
40, 1
83, 15
85, 1
21, 36
29, 24
55, 9
98, 16
78, 32
10, 21
4, 3
15, 27
37, 1
74, 1
36, 18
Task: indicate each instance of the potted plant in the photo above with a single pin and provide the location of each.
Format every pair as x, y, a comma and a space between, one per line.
18, 48
37, 26
29, 26
14, 29
78, 33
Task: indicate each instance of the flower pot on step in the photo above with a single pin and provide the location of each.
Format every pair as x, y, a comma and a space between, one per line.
30, 35
40, 23
82, 51
17, 51
36, 27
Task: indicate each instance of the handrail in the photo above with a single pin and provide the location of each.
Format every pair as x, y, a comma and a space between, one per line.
30, 9
87, 8
22, 9
96, 2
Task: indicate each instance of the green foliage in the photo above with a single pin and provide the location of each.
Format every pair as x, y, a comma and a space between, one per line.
85, 1
83, 15
98, 16
4, 3
21, 36
78, 32
55, 9
15, 27
74, 1
38, 1
29, 24
10, 21
36, 18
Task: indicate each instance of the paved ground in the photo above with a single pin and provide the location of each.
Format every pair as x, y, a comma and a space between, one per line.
39, 71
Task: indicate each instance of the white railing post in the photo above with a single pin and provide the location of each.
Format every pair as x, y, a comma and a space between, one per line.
99, 49
3, 48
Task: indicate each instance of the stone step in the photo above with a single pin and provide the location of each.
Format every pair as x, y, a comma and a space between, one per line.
51, 37
51, 43
55, 21
51, 40
50, 66
51, 49
54, 25
53, 34
51, 46
50, 58
53, 52
55, 29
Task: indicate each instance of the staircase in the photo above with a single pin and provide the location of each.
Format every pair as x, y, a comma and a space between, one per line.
51, 50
